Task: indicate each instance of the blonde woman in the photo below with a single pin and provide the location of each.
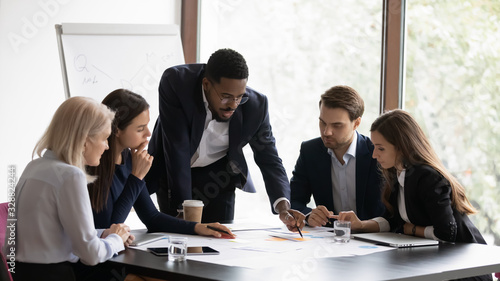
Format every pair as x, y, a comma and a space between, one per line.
55, 228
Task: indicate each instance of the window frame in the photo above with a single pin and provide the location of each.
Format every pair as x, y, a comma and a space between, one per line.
393, 34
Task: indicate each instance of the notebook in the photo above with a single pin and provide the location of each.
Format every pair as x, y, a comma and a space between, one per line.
395, 240
142, 238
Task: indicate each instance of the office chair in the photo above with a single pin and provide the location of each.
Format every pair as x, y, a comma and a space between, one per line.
4, 269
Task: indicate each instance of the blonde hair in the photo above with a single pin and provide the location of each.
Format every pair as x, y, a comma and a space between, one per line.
400, 129
76, 119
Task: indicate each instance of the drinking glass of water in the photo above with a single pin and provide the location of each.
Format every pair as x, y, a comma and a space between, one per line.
342, 230
177, 248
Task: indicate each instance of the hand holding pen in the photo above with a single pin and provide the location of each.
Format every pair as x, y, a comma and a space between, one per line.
320, 216
224, 233
298, 229
213, 229
294, 220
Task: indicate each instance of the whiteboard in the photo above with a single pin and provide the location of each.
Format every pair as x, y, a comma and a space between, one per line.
97, 59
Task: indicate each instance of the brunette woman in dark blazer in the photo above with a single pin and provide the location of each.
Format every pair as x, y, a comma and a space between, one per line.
421, 197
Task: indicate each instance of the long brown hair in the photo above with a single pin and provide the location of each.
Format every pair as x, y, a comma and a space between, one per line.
127, 106
400, 129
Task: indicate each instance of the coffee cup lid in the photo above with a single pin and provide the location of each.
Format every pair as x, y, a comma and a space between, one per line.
193, 203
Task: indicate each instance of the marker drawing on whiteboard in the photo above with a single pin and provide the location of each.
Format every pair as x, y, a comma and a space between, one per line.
98, 69
90, 80
80, 63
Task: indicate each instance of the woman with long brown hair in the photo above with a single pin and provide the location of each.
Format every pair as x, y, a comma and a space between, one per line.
422, 198
120, 183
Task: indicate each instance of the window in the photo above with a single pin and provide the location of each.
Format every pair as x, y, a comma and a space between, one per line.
452, 74
295, 51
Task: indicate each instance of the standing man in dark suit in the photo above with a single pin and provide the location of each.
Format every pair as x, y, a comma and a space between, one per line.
337, 169
207, 115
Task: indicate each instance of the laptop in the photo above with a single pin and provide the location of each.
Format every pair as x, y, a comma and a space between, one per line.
395, 240
142, 237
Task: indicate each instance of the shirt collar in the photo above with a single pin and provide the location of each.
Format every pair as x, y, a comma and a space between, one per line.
49, 154
205, 102
401, 177
354, 144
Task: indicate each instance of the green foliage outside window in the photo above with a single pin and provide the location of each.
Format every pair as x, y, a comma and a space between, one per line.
453, 89
297, 49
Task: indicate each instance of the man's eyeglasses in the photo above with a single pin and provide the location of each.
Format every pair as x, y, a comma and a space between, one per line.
225, 99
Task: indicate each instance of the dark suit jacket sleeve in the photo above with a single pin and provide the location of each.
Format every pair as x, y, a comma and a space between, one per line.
368, 185
430, 204
427, 194
266, 157
300, 186
175, 135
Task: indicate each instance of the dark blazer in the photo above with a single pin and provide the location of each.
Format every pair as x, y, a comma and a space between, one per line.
179, 129
312, 175
428, 203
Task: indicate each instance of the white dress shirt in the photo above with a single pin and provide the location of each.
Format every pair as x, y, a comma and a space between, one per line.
344, 179
214, 144
54, 216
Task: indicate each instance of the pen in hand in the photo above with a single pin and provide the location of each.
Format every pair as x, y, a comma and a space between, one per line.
300, 232
218, 229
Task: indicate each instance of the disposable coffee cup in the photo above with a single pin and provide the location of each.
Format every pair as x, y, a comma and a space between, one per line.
192, 209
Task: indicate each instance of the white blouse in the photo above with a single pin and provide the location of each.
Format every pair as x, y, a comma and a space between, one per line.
54, 216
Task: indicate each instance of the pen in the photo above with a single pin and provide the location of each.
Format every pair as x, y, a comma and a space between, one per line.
217, 229
330, 221
300, 232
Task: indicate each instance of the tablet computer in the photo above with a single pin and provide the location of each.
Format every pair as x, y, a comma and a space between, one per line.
144, 238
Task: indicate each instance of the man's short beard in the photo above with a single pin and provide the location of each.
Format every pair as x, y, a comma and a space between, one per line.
219, 119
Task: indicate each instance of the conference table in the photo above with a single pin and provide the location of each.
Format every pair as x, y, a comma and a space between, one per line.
272, 254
